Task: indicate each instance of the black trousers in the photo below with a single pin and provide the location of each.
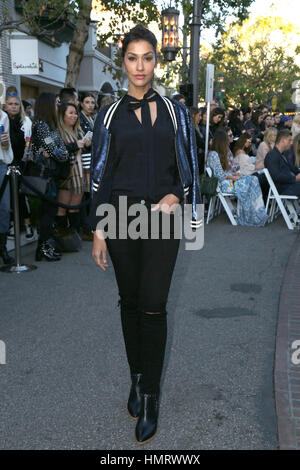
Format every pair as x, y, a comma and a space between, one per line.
143, 269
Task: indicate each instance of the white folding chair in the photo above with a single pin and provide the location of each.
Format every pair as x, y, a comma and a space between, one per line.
286, 204
223, 199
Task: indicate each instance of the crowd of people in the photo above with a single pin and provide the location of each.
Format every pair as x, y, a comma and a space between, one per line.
242, 142
58, 131
50, 135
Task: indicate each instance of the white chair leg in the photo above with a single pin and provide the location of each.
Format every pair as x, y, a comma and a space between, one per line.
211, 209
227, 208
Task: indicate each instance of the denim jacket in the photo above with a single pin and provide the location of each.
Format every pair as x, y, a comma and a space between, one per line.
186, 157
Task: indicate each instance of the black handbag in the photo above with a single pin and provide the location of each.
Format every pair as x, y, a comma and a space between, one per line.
37, 176
41, 184
208, 185
69, 241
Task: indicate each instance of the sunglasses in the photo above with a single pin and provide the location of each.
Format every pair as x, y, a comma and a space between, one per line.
12, 94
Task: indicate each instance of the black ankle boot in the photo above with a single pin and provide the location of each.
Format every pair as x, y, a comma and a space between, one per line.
45, 250
147, 422
134, 400
3, 250
74, 219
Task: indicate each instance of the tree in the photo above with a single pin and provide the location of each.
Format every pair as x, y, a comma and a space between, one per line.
77, 45
39, 17
214, 16
255, 68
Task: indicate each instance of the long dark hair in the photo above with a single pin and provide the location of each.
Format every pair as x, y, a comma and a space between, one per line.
240, 143
45, 110
220, 144
255, 115
235, 123
83, 95
214, 113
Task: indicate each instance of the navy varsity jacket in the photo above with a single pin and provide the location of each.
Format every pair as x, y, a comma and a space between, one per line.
186, 156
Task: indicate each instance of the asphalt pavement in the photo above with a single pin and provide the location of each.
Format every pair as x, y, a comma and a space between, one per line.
66, 381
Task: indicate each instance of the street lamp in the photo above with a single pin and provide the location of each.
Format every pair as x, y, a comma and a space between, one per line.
170, 33
221, 78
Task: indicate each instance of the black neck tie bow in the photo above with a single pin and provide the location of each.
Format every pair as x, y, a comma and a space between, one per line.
135, 103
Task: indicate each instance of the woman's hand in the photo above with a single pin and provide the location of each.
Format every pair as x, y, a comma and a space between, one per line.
80, 144
99, 250
4, 139
87, 142
167, 204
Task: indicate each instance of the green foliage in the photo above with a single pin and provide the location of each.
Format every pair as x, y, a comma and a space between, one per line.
214, 15
41, 17
216, 12
256, 58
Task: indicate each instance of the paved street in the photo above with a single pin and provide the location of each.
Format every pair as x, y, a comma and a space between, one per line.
66, 381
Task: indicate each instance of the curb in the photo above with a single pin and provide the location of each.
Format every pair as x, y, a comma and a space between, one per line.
287, 355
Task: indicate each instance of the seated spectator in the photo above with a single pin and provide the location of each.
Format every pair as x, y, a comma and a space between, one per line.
250, 208
285, 176
276, 117
236, 122
232, 161
247, 111
216, 120
265, 111
202, 122
268, 120
200, 138
253, 127
241, 153
296, 126
286, 122
265, 146
293, 154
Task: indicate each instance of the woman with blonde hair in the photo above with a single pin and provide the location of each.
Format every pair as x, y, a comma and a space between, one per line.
20, 135
265, 146
72, 187
296, 126
293, 153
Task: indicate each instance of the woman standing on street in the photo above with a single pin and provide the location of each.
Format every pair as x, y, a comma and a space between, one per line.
87, 111
72, 187
143, 148
20, 135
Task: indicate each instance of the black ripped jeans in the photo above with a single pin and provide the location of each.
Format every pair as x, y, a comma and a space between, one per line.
143, 269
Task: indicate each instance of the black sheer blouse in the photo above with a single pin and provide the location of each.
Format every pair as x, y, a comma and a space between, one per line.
145, 159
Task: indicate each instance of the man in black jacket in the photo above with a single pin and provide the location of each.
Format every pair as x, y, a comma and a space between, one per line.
285, 176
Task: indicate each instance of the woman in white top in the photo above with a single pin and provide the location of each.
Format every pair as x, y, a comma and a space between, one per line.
265, 146
6, 157
241, 149
20, 135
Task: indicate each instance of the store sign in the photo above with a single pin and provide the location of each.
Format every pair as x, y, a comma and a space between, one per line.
24, 56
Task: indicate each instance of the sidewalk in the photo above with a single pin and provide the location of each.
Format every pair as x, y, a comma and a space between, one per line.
65, 383
287, 365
